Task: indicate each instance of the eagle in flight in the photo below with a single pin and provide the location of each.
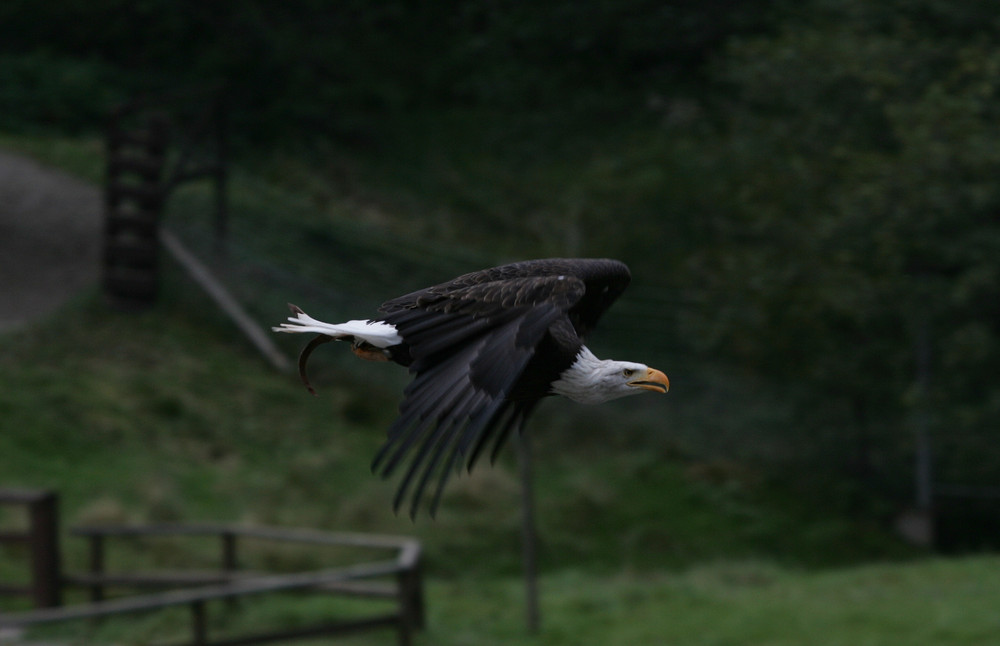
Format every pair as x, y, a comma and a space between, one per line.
484, 349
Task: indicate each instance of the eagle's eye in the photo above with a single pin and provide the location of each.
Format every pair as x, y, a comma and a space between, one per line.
627, 372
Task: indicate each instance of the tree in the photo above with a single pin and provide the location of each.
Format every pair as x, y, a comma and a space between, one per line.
859, 169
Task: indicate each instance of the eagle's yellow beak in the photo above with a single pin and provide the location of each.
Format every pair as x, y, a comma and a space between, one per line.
653, 380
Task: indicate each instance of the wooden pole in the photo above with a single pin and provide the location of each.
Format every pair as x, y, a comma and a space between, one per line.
529, 534
923, 476
199, 630
201, 275
97, 566
45, 557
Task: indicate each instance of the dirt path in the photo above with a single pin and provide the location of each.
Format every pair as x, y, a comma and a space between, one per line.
50, 226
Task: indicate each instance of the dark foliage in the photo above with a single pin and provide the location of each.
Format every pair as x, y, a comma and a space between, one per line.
312, 66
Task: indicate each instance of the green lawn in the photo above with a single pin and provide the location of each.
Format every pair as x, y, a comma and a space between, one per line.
935, 602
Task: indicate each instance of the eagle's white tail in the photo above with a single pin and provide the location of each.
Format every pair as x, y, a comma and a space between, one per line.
377, 333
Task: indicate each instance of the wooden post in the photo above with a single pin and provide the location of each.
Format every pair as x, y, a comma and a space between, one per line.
229, 562
529, 534
199, 635
923, 482
416, 582
405, 631
96, 566
45, 557
411, 597
923, 479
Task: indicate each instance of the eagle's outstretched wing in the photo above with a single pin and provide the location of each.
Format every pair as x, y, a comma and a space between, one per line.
470, 341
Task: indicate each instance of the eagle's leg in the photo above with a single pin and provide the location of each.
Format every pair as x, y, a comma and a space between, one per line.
369, 352
359, 347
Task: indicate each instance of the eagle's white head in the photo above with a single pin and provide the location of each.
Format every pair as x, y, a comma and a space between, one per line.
591, 380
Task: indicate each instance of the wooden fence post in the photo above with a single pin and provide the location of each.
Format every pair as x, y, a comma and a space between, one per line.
199, 629
529, 535
45, 556
411, 597
96, 566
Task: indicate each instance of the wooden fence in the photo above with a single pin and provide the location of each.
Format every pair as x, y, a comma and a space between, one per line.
397, 579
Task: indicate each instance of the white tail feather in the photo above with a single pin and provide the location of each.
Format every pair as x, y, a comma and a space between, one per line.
377, 333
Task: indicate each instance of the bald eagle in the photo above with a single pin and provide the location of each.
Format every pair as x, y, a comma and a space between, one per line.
483, 350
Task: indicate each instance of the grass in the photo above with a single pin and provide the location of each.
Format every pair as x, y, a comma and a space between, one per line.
80, 156
933, 602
